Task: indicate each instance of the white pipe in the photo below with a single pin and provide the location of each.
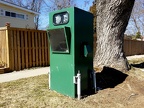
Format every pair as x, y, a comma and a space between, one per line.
79, 85
94, 80
49, 79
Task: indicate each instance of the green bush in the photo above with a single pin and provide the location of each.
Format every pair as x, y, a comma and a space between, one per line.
138, 35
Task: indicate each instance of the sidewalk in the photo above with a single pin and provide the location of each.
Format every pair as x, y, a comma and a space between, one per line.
6, 77
23, 74
135, 56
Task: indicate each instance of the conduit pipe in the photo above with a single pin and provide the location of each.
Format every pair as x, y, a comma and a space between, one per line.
94, 80
79, 85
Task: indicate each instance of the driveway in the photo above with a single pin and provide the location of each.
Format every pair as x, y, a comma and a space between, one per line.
6, 77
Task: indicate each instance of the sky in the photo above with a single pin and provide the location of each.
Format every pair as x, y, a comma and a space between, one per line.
44, 16
44, 19
84, 5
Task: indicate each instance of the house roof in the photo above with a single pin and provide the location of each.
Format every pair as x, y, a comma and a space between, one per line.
18, 7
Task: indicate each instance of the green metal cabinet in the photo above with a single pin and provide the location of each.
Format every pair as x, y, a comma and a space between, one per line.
70, 34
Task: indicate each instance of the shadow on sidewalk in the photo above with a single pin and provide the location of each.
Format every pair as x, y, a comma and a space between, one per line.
140, 65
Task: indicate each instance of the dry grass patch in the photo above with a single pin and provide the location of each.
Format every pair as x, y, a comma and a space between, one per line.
34, 93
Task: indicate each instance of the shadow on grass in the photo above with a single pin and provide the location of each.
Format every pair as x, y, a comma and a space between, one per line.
140, 65
109, 78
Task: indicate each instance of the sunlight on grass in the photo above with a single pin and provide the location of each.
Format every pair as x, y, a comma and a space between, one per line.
34, 92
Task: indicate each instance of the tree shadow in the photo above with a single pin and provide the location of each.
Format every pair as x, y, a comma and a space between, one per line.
109, 78
140, 65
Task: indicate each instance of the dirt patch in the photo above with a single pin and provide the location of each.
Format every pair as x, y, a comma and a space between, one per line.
127, 92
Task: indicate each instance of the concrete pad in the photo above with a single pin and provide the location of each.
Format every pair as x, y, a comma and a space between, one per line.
6, 77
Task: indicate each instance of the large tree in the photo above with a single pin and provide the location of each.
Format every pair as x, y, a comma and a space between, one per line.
93, 11
112, 20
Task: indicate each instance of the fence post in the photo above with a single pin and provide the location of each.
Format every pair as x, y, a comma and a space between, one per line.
8, 47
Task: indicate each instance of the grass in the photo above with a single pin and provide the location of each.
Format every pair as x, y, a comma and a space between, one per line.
33, 92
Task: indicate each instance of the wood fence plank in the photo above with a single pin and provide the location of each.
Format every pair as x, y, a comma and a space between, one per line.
129, 44
15, 51
4, 55
48, 49
30, 48
142, 47
46, 53
134, 47
18, 48
33, 49
141, 51
36, 40
26, 49
1, 35
10, 55
126, 47
22, 50
7, 52
39, 47
43, 58
12, 49
3, 47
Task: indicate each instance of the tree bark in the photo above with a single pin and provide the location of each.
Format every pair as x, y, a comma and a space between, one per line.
112, 20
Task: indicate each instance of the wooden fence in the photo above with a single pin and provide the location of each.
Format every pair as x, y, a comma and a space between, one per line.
23, 48
26, 48
133, 47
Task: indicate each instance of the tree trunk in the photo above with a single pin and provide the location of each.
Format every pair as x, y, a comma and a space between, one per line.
112, 20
